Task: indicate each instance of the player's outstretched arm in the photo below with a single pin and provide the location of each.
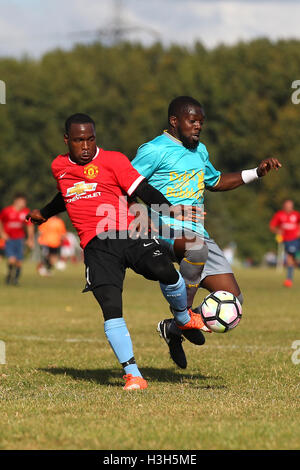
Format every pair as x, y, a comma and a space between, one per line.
230, 181
39, 216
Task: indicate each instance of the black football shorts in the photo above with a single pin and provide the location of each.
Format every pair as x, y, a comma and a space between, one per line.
106, 260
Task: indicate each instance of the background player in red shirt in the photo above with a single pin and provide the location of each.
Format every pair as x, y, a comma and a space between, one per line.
286, 224
93, 186
13, 227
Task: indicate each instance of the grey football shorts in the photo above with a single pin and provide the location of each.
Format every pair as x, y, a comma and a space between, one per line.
216, 262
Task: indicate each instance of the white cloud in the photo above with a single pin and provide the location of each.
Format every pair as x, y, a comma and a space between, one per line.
35, 26
247, 20
218, 21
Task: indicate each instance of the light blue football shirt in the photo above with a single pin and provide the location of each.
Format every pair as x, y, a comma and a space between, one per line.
180, 174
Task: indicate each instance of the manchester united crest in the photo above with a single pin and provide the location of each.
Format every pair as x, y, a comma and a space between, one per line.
91, 171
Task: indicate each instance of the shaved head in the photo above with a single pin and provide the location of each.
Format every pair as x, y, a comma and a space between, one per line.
182, 105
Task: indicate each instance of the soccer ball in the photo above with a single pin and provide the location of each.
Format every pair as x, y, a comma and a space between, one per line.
221, 311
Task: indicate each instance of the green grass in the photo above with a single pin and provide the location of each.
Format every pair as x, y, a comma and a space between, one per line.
62, 388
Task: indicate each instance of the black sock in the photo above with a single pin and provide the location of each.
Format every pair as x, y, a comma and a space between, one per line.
17, 274
10, 273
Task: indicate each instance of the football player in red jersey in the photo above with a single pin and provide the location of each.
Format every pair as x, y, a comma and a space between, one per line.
286, 224
13, 228
93, 187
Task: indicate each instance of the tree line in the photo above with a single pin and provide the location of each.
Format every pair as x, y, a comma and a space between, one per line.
245, 90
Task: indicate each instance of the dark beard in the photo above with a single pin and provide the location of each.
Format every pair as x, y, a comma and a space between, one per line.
190, 145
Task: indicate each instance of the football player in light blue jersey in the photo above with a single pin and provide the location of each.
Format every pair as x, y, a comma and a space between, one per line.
178, 165
180, 173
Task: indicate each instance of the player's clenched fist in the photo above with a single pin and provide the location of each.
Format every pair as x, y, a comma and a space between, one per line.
35, 217
267, 165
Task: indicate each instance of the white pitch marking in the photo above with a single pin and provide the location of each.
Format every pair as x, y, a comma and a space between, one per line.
91, 340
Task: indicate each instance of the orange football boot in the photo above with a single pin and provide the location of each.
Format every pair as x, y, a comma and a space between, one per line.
195, 322
134, 383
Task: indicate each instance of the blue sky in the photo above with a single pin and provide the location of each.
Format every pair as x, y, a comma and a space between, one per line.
35, 26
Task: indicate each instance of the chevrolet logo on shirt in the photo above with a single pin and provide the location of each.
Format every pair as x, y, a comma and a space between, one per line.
81, 188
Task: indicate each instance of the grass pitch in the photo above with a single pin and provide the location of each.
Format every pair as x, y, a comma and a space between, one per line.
61, 387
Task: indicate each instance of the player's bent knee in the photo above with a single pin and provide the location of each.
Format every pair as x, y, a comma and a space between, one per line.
168, 275
197, 255
165, 273
159, 268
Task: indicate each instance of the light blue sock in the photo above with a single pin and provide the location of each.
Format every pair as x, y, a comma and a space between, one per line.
119, 339
175, 294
